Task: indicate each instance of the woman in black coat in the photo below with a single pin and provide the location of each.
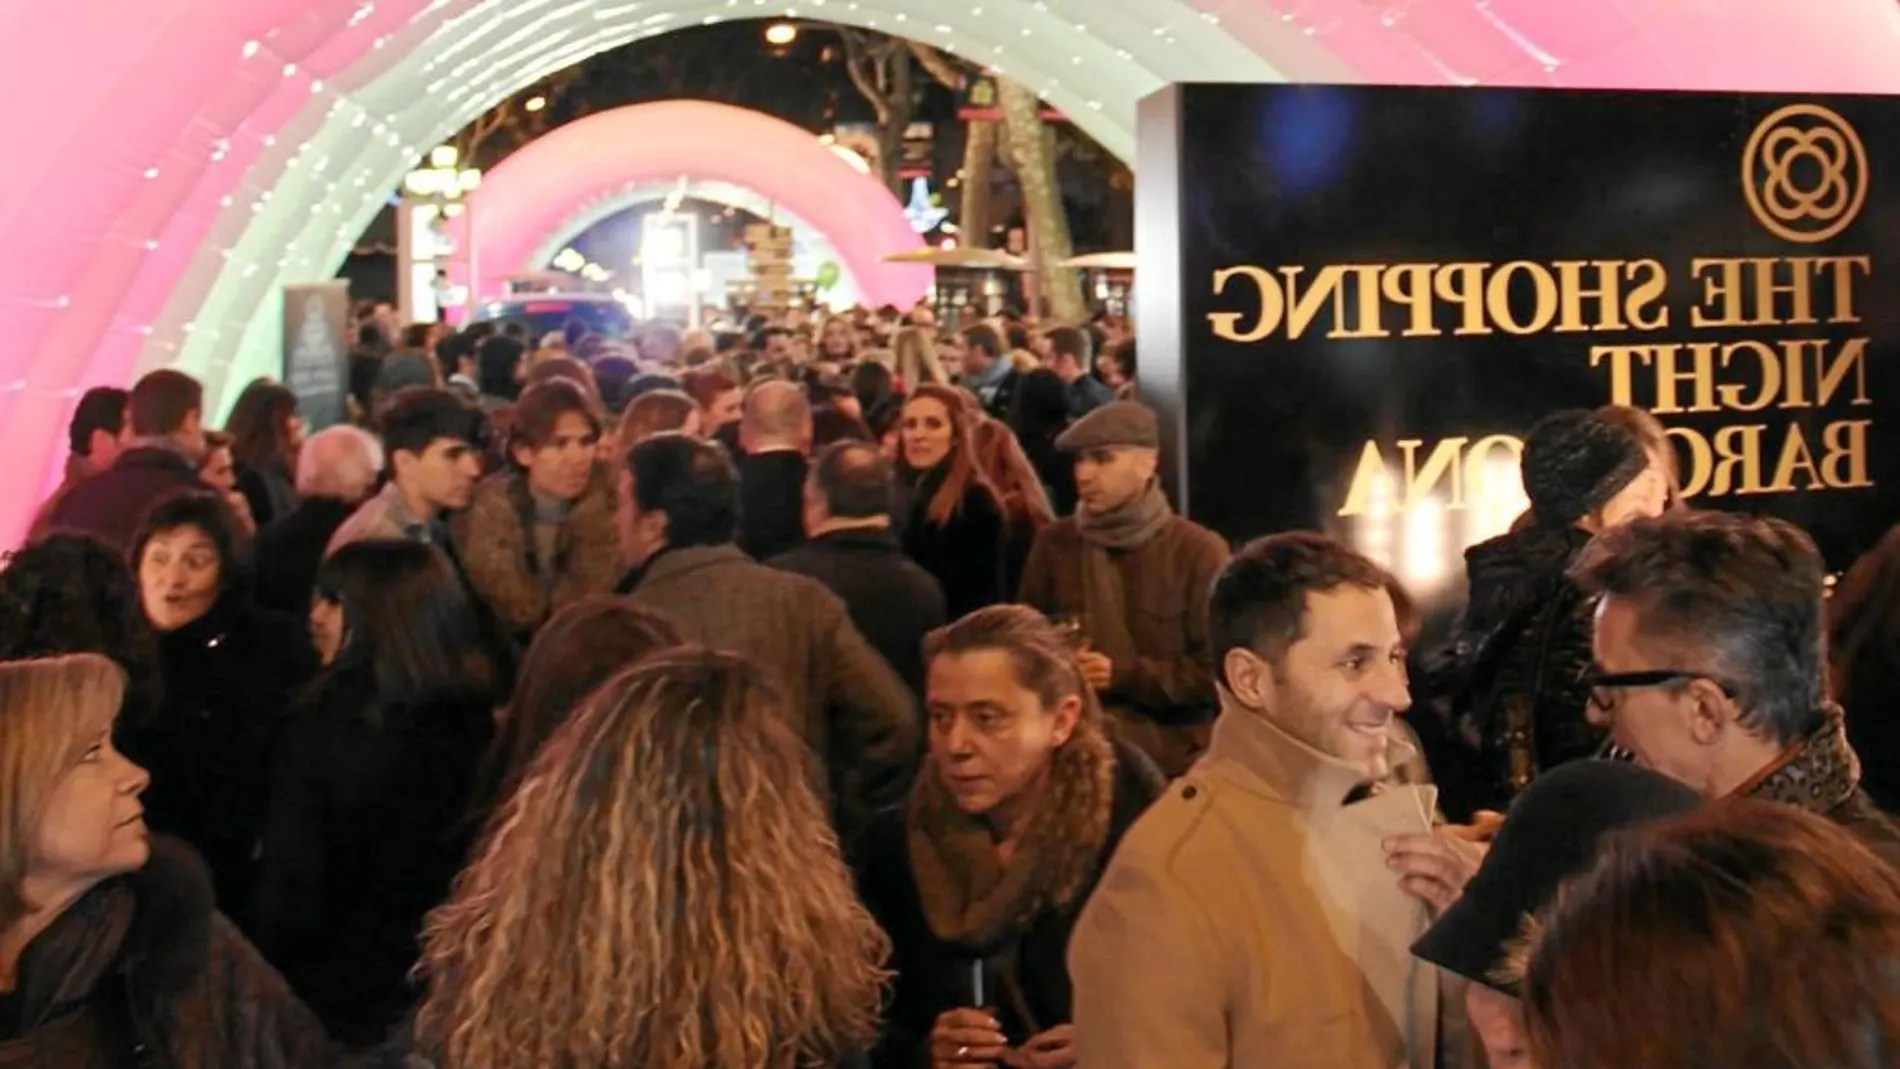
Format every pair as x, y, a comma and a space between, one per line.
1005, 836
266, 433
119, 958
229, 670
954, 526
368, 819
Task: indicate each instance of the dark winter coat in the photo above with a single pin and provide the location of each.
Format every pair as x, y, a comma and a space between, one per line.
1512, 680
1022, 946
368, 825
848, 704
110, 505
228, 681
890, 598
968, 554
269, 492
771, 502
290, 551
142, 972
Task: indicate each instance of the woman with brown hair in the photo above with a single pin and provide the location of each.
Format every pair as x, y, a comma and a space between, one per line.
664, 891
543, 535
1022, 799
955, 526
581, 647
112, 952
1747, 935
658, 412
1025, 501
230, 671
266, 434
1864, 664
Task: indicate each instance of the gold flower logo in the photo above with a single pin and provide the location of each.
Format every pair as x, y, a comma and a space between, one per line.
1805, 173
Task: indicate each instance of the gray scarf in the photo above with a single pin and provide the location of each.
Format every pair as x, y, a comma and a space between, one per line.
1104, 598
1129, 526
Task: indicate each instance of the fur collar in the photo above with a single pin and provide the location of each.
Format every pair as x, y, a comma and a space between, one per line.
971, 899
1818, 774
152, 926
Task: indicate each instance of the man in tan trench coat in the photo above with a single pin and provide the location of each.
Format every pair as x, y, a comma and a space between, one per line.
1249, 919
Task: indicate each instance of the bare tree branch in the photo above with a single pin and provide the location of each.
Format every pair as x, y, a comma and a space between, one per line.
952, 74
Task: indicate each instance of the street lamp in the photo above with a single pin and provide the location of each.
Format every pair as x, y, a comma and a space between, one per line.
432, 195
442, 180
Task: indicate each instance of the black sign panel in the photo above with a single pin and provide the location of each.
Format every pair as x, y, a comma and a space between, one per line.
316, 350
1355, 301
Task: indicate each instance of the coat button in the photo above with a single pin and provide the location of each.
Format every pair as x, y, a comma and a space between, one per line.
1190, 791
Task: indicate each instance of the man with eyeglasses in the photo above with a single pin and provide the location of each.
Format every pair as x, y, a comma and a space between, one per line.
1709, 652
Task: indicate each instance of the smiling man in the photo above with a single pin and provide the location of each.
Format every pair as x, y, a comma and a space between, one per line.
1709, 653
1248, 918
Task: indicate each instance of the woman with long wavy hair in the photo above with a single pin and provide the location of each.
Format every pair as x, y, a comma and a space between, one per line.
956, 528
664, 891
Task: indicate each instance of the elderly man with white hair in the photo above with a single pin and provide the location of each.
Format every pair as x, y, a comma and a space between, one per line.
337, 470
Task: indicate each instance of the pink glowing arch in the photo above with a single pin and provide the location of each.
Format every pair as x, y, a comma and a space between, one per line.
537, 189
219, 148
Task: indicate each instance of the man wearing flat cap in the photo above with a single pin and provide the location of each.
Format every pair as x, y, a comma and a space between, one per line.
1132, 577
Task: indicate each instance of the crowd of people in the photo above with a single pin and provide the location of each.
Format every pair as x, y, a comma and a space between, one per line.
849, 693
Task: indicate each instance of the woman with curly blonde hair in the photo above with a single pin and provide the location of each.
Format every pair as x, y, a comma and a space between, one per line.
663, 892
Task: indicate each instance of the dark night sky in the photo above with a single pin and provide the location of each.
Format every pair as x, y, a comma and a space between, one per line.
730, 62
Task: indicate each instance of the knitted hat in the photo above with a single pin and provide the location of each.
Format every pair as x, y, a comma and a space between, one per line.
1574, 462
1552, 833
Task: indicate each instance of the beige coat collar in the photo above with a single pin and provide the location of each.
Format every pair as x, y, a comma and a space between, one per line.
1280, 766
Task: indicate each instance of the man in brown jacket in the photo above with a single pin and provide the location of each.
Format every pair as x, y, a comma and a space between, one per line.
677, 518
1249, 918
1132, 577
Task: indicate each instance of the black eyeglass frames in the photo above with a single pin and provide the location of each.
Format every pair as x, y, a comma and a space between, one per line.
1606, 688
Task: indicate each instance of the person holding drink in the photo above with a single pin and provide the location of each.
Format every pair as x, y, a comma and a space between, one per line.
1134, 576
1020, 803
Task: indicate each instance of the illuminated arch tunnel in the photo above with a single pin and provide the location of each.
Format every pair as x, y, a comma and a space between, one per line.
218, 149
536, 192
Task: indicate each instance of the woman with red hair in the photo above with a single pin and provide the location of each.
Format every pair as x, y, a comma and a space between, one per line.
955, 527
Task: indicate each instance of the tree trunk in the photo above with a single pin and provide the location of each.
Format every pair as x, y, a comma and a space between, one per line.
979, 159
897, 121
1047, 223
